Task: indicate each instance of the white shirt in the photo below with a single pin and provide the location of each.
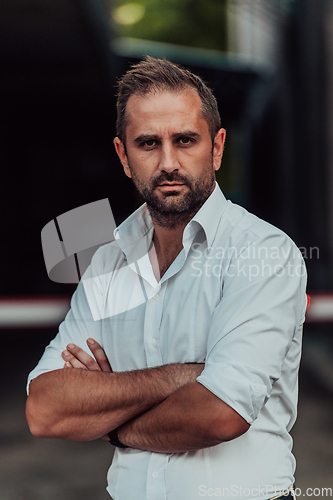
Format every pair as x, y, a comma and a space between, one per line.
234, 299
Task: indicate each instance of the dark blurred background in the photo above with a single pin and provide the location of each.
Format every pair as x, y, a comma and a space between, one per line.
270, 64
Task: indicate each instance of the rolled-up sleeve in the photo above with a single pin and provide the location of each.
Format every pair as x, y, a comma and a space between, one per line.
262, 307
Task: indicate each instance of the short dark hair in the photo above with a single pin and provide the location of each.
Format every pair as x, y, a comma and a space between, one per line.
152, 74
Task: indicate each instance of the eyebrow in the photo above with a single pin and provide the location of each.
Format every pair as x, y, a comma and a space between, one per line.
145, 137
154, 137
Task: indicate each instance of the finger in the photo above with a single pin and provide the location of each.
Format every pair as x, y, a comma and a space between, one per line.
83, 357
99, 355
71, 361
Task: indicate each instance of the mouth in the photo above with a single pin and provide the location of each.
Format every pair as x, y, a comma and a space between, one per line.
172, 183
170, 186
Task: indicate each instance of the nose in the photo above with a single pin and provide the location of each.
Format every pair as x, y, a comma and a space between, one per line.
168, 159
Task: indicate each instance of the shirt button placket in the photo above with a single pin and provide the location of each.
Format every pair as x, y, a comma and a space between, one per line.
155, 477
153, 314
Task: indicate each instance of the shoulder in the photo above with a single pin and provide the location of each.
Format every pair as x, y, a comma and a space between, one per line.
239, 228
106, 259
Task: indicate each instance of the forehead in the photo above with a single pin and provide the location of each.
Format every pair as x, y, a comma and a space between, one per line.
165, 110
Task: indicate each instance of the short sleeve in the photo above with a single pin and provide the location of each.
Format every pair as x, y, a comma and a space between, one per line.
262, 307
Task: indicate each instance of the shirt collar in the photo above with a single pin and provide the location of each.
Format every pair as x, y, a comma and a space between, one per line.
135, 234
209, 215
130, 233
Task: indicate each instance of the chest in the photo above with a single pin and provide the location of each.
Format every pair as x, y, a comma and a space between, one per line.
171, 326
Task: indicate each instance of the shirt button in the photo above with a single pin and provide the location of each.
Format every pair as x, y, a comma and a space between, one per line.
155, 474
155, 297
152, 341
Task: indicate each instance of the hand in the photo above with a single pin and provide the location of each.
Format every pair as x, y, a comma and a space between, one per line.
75, 357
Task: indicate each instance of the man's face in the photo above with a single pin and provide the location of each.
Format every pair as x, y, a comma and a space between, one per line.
169, 152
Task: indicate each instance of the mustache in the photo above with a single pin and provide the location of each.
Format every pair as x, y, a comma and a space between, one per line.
170, 177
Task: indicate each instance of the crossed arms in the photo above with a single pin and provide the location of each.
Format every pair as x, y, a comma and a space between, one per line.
161, 409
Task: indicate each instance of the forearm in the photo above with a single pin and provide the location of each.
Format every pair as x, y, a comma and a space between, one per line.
84, 405
190, 419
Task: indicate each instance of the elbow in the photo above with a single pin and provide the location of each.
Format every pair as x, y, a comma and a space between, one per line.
34, 422
230, 426
41, 422
232, 431
37, 419
39, 415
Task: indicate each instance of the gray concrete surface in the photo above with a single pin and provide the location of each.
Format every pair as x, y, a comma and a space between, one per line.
48, 469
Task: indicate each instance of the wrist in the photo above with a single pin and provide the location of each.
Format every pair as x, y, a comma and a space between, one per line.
114, 439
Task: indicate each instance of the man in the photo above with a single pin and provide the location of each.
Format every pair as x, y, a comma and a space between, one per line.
203, 390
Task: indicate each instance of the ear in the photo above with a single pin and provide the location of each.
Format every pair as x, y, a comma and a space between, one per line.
219, 140
120, 148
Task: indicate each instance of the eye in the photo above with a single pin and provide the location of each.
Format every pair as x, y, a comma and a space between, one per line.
186, 140
149, 144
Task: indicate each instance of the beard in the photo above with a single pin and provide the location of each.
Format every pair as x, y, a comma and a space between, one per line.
172, 208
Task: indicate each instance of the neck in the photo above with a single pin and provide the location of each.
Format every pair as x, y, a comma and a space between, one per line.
166, 237
169, 228
167, 244
168, 233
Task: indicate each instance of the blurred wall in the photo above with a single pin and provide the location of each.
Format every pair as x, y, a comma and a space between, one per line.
57, 81
329, 49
